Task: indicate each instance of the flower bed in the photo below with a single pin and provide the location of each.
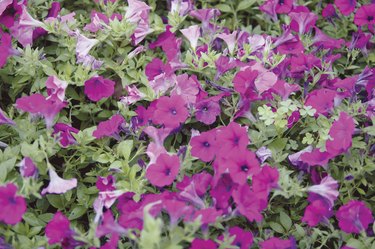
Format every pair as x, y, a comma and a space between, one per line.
187, 124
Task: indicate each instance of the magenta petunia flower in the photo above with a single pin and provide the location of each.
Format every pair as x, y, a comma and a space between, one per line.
204, 146
38, 105
249, 203
346, 7
133, 96
28, 168
284, 6
324, 41
12, 206
105, 183
176, 210
56, 88
322, 100
242, 239
110, 127
365, 15
269, 8
155, 148
275, 243
315, 157
64, 134
242, 165
317, 211
58, 185
164, 171
354, 217
5, 48
53, 12
156, 68
232, 138
326, 189
341, 133
244, 81
207, 110
170, 111
187, 87
222, 189
169, 43
266, 179
58, 229
304, 21
300, 65
200, 244
329, 11
98, 88
108, 226
4, 119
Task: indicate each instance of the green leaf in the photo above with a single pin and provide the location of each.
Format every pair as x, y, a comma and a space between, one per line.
245, 4
77, 212
277, 227
224, 7
58, 201
124, 149
285, 221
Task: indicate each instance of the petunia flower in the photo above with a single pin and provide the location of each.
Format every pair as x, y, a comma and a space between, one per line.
204, 146
266, 179
346, 7
326, 189
324, 41
176, 210
263, 153
222, 189
284, 6
232, 138
5, 48
64, 133
329, 12
110, 127
133, 96
300, 65
4, 4
187, 87
241, 165
28, 168
84, 45
242, 239
304, 20
182, 7
275, 243
38, 105
98, 88
205, 16
269, 8
108, 225
170, 111
12, 206
244, 81
249, 203
53, 12
341, 133
315, 157
105, 183
58, 185
207, 110
200, 243
138, 14
317, 211
230, 39
354, 217
322, 100
201, 182
164, 171
156, 147
365, 15
98, 19
4, 119
169, 43
56, 88
58, 231
192, 33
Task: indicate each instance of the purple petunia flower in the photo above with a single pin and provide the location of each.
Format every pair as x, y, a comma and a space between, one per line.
317, 211
207, 110
204, 146
326, 189
98, 88
200, 244
242, 239
64, 133
58, 231
170, 111
108, 128
303, 20
105, 183
28, 168
192, 33
5, 48
56, 88
276, 243
232, 138
4, 119
12, 206
346, 7
354, 217
341, 133
164, 171
365, 15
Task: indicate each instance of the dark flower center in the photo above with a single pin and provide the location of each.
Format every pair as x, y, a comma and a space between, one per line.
244, 168
205, 109
12, 200
239, 244
173, 111
236, 140
281, 2
206, 144
370, 18
167, 172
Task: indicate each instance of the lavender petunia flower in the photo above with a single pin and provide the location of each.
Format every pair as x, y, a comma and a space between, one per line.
58, 185
327, 189
4, 119
263, 153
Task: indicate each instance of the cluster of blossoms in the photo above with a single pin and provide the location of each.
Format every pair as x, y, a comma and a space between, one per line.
181, 131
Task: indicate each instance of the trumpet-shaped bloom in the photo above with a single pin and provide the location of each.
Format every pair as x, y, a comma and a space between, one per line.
170, 111
58, 185
354, 217
365, 15
204, 146
108, 128
98, 88
28, 168
346, 7
164, 171
12, 206
192, 33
